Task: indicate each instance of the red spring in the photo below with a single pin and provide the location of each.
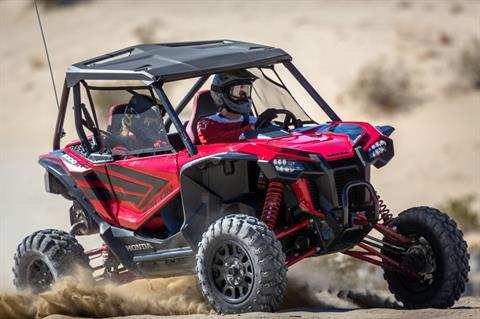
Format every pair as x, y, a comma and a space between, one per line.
105, 253
273, 201
384, 212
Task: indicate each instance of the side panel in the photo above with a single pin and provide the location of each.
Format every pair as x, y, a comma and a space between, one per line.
154, 257
125, 244
142, 186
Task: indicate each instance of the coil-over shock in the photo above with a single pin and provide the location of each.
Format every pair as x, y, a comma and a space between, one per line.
383, 212
272, 205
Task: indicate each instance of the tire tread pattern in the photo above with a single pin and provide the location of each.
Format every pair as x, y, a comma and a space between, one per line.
272, 283
453, 247
61, 249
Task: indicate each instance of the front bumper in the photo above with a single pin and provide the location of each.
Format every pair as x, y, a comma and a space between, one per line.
371, 206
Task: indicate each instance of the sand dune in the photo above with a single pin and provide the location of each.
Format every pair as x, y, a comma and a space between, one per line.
437, 141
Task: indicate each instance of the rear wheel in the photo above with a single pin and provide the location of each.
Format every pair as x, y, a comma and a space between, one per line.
44, 257
438, 255
241, 266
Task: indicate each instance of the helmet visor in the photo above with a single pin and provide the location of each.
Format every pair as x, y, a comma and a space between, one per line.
239, 92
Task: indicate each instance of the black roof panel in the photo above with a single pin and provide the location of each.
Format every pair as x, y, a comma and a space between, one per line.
175, 61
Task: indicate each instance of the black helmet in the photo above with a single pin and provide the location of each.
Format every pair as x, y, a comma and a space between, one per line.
233, 91
144, 117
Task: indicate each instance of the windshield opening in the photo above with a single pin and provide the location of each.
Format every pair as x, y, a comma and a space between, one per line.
269, 91
275, 87
127, 117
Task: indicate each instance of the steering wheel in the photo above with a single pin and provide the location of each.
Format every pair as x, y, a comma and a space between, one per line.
112, 139
264, 119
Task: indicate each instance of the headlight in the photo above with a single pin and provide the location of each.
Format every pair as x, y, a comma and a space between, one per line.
377, 149
283, 165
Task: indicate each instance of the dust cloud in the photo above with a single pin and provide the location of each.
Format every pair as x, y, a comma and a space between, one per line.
337, 281
17, 305
80, 297
74, 296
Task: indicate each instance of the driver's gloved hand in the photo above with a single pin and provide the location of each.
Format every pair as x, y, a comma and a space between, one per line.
266, 117
242, 137
159, 144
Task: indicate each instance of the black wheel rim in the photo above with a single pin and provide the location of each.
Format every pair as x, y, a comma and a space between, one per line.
232, 272
39, 276
429, 275
428, 279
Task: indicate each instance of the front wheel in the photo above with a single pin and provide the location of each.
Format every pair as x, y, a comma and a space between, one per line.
438, 255
241, 266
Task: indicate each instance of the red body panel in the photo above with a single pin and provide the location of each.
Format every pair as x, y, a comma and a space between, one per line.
139, 187
331, 146
300, 188
158, 179
125, 192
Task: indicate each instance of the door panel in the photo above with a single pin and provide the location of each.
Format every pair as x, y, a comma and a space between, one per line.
143, 186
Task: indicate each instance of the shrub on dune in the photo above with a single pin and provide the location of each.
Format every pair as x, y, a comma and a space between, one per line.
469, 63
383, 88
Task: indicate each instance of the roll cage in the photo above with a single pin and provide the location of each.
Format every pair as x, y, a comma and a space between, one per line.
155, 72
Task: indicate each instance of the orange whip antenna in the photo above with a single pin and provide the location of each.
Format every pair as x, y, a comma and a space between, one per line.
46, 52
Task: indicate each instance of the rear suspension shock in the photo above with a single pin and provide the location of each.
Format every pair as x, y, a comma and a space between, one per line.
273, 202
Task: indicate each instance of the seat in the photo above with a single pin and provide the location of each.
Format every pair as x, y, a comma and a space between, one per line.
138, 102
115, 116
203, 105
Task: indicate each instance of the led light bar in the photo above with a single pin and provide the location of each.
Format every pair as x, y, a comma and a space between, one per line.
283, 165
377, 149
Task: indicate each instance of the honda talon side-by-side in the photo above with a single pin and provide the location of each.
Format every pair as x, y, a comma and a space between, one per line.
236, 214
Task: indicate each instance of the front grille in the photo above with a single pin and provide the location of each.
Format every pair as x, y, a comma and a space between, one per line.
343, 163
342, 177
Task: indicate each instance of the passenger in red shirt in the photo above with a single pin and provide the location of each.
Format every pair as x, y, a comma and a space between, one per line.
231, 92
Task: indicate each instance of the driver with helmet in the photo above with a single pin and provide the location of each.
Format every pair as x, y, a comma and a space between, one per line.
141, 126
231, 92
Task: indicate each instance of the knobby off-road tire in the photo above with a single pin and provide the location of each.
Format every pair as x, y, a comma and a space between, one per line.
241, 266
46, 256
450, 255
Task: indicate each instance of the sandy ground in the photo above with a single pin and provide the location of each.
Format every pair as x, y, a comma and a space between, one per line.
180, 297
437, 142
466, 308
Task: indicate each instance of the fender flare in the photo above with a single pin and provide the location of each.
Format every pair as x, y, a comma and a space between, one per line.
201, 206
62, 175
55, 168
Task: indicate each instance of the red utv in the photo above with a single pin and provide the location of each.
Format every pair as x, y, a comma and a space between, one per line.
237, 214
